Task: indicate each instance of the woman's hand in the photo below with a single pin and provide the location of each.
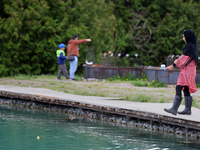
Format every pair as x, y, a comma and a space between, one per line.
176, 61
170, 67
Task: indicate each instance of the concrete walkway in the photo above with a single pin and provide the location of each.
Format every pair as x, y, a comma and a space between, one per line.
155, 108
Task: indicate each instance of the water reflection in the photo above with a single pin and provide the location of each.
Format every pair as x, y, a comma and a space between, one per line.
20, 127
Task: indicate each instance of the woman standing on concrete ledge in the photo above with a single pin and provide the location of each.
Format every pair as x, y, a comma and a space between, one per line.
186, 80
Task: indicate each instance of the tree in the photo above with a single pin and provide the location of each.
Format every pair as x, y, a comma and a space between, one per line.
95, 20
27, 37
171, 19
155, 27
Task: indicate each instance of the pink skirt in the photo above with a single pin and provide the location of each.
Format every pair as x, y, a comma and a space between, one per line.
187, 73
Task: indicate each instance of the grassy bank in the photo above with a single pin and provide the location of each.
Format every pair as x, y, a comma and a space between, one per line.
138, 90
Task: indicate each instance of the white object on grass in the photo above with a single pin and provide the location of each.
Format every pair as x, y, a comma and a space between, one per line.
88, 63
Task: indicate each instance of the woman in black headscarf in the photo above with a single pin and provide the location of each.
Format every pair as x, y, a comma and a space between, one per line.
186, 80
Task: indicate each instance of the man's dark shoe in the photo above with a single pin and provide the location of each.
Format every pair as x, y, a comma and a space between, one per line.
58, 79
74, 79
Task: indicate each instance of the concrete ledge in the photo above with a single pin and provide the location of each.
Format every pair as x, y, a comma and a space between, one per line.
145, 111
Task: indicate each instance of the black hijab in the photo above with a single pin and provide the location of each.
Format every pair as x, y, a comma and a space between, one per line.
191, 48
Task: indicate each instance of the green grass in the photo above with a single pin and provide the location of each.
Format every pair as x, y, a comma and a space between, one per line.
53, 83
139, 98
198, 85
140, 83
160, 91
162, 100
30, 77
126, 78
48, 76
86, 93
103, 89
62, 86
156, 83
66, 91
45, 77
195, 103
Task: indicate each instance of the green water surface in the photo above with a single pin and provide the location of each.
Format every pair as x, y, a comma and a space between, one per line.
20, 127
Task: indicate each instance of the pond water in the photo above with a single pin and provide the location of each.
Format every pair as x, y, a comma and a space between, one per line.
26, 129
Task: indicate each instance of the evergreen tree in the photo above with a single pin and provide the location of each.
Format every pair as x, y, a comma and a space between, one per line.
171, 18
95, 20
31, 30
27, 37
158, 26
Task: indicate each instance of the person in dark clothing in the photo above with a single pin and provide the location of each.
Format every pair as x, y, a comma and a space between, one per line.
61, 62
186, 80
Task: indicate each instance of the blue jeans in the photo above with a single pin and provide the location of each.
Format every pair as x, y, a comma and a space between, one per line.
73, 67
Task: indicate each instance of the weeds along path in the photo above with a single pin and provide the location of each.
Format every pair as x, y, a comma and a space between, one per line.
121, 90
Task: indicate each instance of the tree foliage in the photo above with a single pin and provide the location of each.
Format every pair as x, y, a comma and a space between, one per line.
95, 20
30, 30
28, 35
155, 27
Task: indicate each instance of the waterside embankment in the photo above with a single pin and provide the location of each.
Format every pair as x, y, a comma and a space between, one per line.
144, 115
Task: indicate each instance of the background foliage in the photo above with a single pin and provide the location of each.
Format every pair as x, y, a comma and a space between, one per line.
30, 30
